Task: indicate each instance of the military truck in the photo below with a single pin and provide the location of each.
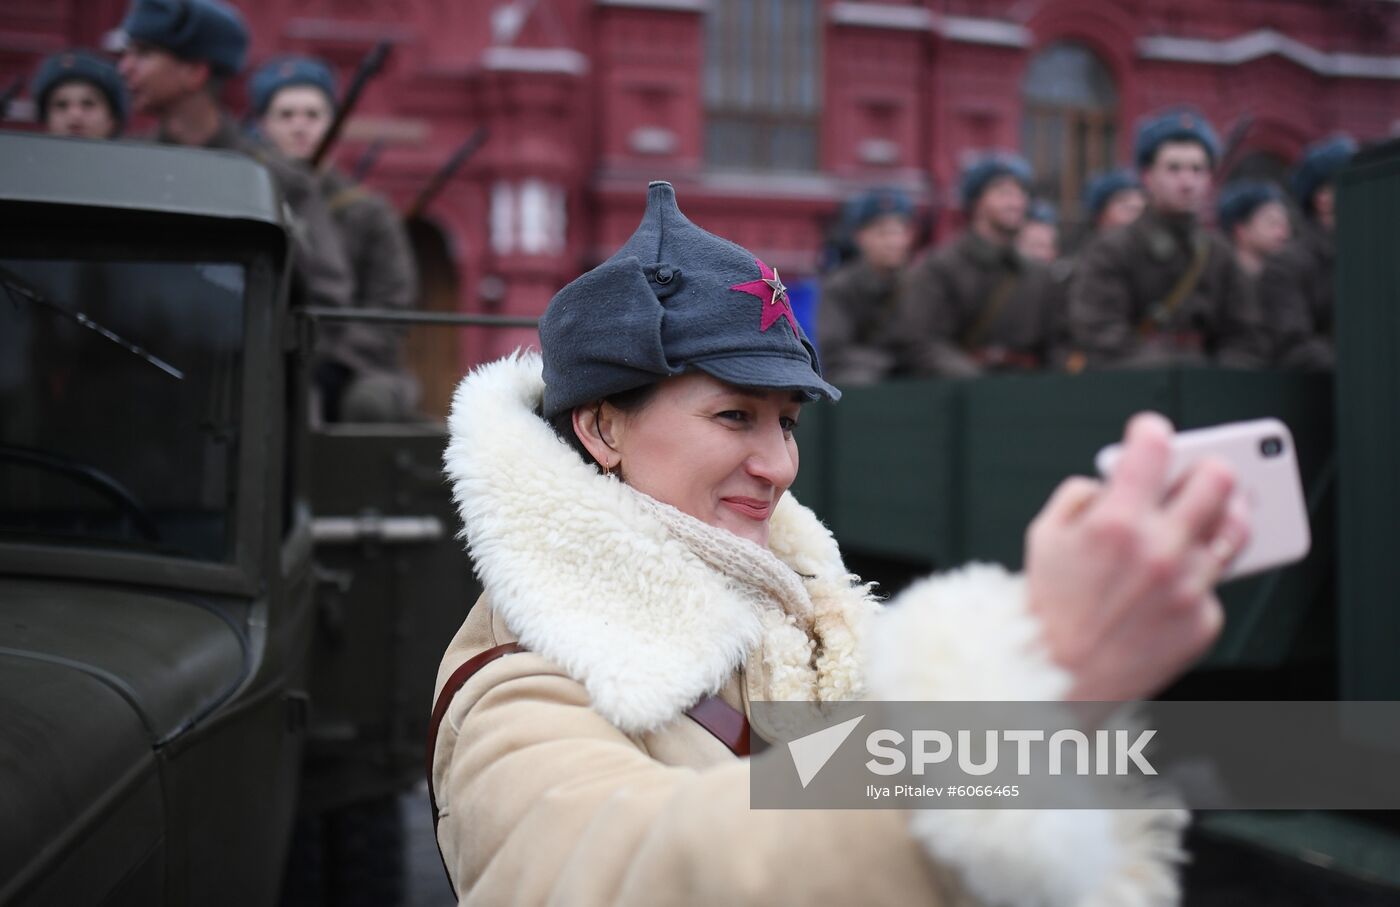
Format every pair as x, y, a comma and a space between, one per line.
155, 551
190, 655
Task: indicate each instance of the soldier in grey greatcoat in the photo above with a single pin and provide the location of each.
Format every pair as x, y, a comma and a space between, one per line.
855, 327
1164, 289
976, 304
1296, 286
1252, 216
178, 55
1039, 239
1111, 199
1114, 199
361, 376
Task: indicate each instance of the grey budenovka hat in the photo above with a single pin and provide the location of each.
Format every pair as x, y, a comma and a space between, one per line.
208, 30
285, 72
81, 66
1240, 199
673, 299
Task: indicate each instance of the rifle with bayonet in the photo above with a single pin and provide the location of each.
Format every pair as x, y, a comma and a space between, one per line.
439, 180
1234, 142
369, 67
367, 160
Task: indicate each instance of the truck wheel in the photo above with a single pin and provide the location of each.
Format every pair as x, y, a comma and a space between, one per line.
364, 854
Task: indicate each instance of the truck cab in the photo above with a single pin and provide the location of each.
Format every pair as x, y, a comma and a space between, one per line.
156, 591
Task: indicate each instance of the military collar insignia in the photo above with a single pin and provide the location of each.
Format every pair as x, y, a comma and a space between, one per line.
770, 290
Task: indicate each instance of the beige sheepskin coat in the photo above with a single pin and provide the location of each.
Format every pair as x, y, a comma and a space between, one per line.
570, 774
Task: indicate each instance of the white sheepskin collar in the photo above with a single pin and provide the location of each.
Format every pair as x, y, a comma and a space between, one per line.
584, 576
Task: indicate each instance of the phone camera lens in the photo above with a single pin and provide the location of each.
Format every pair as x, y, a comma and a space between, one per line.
1271, 447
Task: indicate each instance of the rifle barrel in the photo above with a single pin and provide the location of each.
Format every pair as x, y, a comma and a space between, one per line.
454, 163
1233, 142
369, 67
368, 160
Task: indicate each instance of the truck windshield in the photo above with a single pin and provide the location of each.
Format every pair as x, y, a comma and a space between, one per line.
119, 395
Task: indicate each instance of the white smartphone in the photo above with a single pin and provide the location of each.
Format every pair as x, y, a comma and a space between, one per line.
1266, 469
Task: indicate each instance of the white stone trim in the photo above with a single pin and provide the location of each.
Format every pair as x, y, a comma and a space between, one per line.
1263, 42
882, 15
340, 31
1001, 33
535, 59
969, 30
679, 6
799, 186
963, 29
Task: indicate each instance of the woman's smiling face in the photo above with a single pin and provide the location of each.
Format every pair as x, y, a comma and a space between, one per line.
720, 453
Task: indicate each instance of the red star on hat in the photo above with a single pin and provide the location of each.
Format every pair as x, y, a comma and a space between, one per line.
769, 288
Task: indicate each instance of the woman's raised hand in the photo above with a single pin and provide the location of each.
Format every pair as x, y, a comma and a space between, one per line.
1121, 573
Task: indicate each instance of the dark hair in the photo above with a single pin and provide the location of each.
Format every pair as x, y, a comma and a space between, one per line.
629, 401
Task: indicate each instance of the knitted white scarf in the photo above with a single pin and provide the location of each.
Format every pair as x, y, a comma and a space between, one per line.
811, 625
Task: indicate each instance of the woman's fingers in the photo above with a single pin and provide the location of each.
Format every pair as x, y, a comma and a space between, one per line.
1070, 499
1207, 559
1195, 513
1140, 657
1203, 496
1231, 536
1121, 572
1140, 476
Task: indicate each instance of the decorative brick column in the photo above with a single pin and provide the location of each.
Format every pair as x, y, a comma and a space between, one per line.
534, 101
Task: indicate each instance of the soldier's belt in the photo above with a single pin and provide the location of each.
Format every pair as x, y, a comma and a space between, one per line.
999, 357
1180, 340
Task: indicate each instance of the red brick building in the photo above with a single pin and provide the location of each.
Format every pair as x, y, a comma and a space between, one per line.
766, 113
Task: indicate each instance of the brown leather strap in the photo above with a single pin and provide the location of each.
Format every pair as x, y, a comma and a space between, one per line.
454, 683
729, 725
999, 357
1190, 341
347, 197
991, 309
1159, 315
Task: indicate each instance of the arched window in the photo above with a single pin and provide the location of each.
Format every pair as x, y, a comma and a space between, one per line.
762, 84
1070, 125
1260, 165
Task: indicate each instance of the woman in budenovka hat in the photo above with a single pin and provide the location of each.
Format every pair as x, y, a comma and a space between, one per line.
623, 500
